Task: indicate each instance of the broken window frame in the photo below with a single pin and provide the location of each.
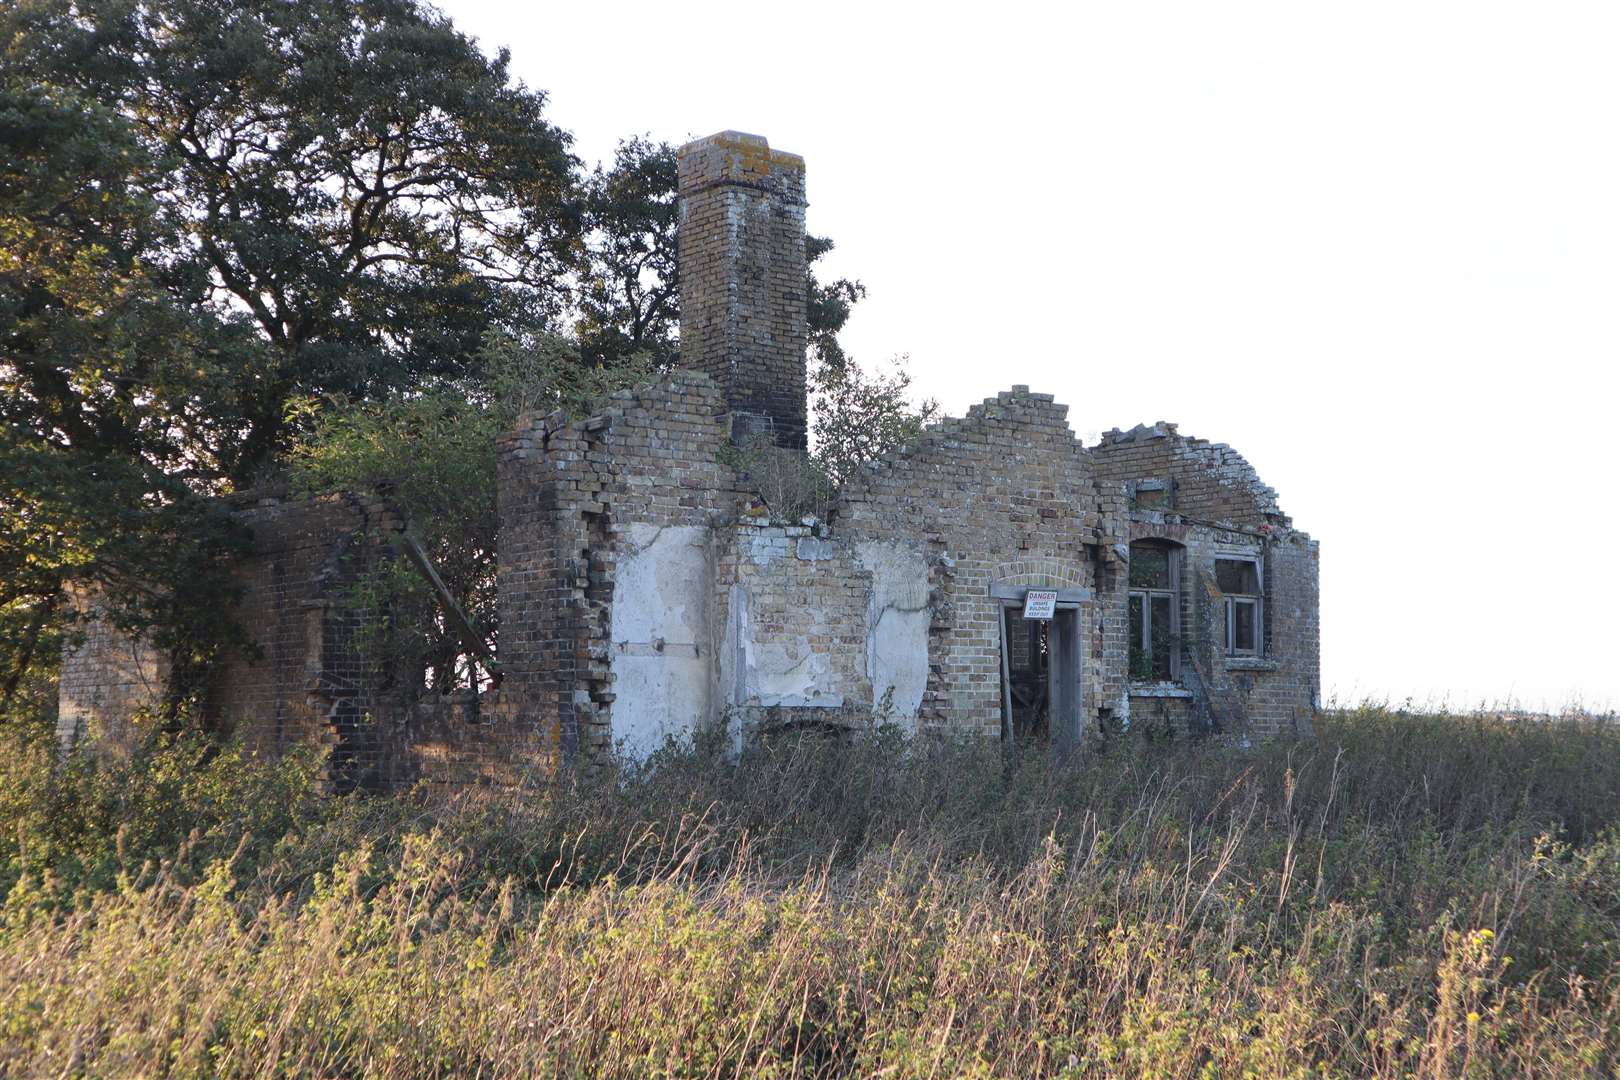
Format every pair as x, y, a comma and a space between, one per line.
1144, 648
1255, 601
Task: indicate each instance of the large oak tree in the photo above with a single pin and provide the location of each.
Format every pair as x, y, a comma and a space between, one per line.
211, 214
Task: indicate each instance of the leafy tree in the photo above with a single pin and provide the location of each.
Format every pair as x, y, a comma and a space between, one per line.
629, 297
354, 176
109, 392
210, 214
859, 416
828, 307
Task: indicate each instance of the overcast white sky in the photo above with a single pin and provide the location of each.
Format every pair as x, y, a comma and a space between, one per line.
1375, 246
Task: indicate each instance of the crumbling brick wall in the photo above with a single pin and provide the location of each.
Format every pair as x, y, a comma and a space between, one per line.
1003, 496
647, 592
792, 604
106, 678
1213, 504
1209, 482
569, 493
304, 675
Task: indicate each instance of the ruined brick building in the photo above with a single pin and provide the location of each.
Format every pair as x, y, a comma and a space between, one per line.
645, 589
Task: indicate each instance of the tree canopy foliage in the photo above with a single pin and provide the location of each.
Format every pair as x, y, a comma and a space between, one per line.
332, 239
110, 389
353, 178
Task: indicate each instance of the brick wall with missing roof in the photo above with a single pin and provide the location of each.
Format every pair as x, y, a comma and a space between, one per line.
567, 492
304, 676
1002, 496
297, 679
1219, 507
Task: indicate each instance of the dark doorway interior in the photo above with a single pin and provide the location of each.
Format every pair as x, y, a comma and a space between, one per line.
1026, 667
1040, 672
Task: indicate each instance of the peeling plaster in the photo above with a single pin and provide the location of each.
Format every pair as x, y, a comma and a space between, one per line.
897, 626
661, 657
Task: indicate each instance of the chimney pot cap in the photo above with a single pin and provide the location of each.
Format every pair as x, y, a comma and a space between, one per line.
746, 153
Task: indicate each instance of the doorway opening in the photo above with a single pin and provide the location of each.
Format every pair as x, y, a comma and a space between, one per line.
1040, 678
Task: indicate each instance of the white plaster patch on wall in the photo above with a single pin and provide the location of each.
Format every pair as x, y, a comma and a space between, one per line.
755, 674
897, 626
660, 653
790, 674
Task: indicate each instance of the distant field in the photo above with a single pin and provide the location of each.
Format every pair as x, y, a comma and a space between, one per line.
1409, 895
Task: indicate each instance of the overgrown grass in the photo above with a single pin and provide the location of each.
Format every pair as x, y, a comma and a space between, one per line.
1406, 896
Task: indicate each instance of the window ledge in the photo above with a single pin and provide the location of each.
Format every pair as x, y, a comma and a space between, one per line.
1160, 689
1251, 663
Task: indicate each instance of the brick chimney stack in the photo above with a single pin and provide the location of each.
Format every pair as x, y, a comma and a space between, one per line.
743, 272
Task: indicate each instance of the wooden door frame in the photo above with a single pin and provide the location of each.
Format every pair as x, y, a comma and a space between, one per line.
1070, 739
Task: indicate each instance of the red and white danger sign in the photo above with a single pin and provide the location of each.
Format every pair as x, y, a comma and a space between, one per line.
1040, 603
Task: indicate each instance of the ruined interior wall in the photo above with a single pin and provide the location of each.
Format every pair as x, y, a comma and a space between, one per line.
541, 577
1002, 496
274, 689
576, 498
793, 641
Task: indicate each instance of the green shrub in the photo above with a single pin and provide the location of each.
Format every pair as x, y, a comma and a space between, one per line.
73, 825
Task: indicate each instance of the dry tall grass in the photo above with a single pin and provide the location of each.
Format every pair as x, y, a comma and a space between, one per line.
1407, 896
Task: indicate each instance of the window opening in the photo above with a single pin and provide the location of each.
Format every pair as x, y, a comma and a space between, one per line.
1244, 605
1154, 608
1150, 495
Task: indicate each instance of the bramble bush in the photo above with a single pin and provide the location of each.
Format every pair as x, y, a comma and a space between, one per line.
1407, 895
